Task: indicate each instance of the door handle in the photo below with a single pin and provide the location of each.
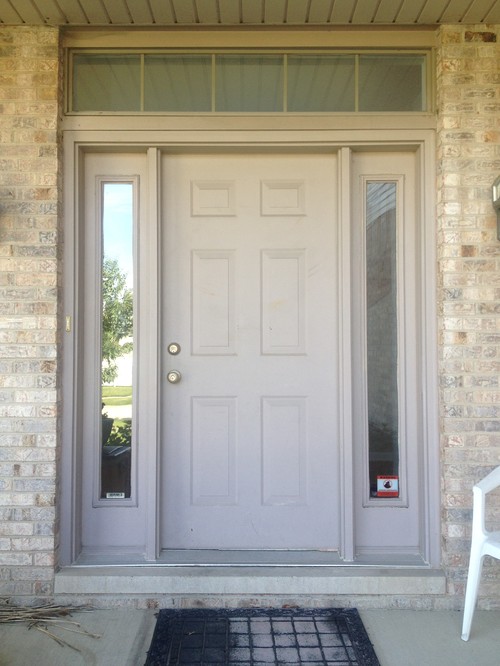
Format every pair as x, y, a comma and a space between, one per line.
174, 348
174, 376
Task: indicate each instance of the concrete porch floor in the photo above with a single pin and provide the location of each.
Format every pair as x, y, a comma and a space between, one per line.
400, 638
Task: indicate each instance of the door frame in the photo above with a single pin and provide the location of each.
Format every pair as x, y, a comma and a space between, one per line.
305, 136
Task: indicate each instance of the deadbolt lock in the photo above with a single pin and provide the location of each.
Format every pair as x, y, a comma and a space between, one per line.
174, 348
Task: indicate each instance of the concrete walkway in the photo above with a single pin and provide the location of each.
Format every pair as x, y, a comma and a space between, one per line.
432, 638
400, 637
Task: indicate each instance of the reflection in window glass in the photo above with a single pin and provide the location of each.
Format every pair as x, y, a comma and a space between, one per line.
382, 348
391, 83
106, 82
249, 83
240, 83
117, 339
177, 83
321, 83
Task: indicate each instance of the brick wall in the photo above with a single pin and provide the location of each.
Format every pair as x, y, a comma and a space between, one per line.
468, 89
29, 194
468, 137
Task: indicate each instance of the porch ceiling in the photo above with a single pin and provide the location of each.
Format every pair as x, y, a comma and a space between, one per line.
247, 13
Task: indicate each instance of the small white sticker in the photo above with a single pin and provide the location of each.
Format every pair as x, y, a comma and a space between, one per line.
115, 495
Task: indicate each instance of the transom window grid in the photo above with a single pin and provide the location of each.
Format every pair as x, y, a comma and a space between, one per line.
184, 82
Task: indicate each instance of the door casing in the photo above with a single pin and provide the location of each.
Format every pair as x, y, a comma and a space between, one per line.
78, 143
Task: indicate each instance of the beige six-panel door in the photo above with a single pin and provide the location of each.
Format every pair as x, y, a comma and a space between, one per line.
249, 426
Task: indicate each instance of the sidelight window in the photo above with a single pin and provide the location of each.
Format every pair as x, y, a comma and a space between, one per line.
382, 338
117, 338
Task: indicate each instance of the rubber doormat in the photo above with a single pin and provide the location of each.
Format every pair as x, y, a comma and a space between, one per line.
254, 637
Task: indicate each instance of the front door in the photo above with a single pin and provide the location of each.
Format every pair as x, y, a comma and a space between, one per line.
269, 388
249, 418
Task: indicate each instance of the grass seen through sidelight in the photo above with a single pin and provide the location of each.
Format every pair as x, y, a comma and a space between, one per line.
116, 396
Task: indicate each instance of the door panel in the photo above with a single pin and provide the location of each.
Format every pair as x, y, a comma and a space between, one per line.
386, 362
249, 455
112, 476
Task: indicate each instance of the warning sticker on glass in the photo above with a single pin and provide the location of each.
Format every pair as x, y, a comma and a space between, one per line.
387, 486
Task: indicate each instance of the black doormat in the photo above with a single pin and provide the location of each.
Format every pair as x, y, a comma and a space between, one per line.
254, 637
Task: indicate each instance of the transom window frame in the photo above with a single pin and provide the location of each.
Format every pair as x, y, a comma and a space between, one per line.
427, 90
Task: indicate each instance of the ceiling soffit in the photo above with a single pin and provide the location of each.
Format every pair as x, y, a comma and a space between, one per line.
247, 13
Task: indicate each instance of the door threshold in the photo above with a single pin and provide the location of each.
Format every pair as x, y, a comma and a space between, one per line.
249, 558
244, 558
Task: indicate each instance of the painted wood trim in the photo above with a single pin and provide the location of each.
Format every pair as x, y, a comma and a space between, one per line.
342, 37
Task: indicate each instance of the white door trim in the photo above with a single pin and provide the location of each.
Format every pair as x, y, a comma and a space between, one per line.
152, 142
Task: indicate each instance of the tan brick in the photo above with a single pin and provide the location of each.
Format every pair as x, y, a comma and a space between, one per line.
468, 149
470, 426
29, 163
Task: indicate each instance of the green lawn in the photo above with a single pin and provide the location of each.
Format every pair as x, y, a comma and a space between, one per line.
117, 395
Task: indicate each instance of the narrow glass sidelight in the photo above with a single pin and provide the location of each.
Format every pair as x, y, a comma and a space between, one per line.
382, 338
117, 338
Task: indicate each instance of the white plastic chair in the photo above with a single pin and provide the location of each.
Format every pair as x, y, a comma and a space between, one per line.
483, 543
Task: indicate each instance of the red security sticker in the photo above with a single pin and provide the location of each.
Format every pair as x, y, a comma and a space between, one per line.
387, 486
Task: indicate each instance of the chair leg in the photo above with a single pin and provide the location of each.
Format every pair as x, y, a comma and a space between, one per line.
473, 578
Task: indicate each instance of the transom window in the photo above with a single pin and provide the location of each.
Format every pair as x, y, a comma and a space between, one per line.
194, 82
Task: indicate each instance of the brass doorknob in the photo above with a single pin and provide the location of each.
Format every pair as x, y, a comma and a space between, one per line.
174, 376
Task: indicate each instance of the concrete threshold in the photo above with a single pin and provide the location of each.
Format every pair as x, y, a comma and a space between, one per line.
241, 580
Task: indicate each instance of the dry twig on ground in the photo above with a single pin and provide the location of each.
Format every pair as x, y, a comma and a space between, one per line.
41, 617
